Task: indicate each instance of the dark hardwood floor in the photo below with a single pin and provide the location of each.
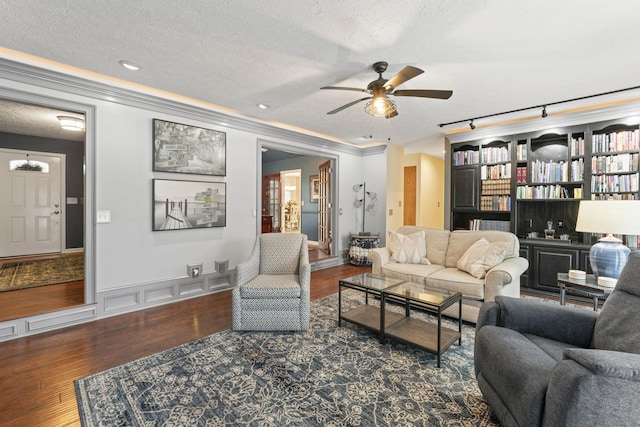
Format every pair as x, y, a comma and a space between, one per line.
37, 373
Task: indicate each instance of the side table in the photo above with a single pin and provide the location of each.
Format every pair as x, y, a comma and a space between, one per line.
587, 287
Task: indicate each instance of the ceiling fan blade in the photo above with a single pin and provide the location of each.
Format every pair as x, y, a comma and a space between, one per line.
438, 94
346, 88
405, 74
337, 110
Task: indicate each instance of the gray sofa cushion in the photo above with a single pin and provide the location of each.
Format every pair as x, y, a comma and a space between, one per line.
617, 325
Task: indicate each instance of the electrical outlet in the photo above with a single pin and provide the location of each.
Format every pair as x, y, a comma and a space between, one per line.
194, 270
221, 266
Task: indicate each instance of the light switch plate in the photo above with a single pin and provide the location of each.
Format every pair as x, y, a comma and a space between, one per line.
103, 217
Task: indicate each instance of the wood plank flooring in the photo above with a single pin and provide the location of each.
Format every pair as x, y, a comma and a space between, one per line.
37, 372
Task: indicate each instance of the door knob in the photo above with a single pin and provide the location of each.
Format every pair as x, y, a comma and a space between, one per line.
56, 212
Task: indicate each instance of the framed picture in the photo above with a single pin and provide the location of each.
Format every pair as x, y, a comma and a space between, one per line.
180, 205
188, 149
314, 188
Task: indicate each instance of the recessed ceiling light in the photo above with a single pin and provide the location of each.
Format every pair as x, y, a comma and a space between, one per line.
263, 106
129, 65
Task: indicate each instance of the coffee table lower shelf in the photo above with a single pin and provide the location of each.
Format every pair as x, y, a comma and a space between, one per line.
421, 334
368, 316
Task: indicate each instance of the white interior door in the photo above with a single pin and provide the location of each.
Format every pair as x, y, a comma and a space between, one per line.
31, 212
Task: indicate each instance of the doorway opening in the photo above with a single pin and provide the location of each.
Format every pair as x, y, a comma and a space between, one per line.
45, 253
294, 197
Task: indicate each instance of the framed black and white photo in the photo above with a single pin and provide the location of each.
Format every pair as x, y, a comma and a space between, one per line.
180, 205
314, 188
182, 148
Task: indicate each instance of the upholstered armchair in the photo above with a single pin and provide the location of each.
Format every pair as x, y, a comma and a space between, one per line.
539, 363
272, 290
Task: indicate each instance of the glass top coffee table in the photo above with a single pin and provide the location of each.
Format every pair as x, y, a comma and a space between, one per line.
432, 337
366, 315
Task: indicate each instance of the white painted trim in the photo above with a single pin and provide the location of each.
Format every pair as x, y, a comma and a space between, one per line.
114, 302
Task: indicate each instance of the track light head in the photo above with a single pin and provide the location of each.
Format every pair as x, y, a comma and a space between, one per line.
544, 111
471, 125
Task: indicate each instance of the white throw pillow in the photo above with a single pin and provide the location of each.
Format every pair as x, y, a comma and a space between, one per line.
482, 256
408, 248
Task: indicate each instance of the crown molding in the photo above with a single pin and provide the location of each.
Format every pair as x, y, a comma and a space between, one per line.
51, 79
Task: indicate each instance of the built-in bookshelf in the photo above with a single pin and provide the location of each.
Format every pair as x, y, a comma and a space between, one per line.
526, 180
614, 163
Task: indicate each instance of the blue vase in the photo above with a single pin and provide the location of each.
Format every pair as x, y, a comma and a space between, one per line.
608, 259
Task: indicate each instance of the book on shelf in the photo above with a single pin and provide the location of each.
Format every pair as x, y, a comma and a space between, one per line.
489, 224
615, 141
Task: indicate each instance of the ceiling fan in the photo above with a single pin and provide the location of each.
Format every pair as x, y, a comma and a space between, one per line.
379, 103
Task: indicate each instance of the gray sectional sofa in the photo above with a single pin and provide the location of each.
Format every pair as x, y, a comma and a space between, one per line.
444, 250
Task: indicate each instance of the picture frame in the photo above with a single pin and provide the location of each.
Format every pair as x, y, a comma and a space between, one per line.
181, 148
183, 205
314, 188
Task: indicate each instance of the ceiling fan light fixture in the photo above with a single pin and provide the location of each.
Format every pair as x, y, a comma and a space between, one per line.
71, 123
381, 107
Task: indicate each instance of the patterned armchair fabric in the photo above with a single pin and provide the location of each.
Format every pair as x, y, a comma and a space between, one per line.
272, 290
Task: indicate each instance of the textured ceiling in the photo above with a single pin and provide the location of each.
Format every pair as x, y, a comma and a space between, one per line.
496, 55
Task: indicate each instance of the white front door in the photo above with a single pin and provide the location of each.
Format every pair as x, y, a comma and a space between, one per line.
31, 210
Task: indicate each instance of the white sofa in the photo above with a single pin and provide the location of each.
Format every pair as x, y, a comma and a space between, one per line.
443, 250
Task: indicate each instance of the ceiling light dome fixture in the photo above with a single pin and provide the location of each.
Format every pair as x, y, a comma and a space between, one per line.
263, 106
71, 123
381, 107
129, 65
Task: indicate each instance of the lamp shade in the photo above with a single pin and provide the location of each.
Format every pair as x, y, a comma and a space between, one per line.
609, 255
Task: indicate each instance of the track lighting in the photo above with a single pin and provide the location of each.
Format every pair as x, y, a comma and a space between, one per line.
543, 106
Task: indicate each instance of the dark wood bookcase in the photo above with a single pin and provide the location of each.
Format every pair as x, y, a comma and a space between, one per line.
520, 182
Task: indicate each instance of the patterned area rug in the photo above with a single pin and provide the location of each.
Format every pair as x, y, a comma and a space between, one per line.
29, 274
326, 376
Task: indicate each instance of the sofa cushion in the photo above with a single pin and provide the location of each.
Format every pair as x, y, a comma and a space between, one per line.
617, 324
460, 240
459, 281
408, 248
410, 272
481, 256
437, 241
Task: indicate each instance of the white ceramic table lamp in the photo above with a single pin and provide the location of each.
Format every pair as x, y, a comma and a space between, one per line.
608, 256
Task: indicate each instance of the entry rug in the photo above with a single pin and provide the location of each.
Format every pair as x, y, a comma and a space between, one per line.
29, 274
326, 376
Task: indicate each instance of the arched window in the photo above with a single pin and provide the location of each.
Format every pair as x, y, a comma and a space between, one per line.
29, 165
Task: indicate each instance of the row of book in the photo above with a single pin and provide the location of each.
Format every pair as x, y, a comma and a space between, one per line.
495, 171
488, 224
495, 203
614, 196
543, 192
576, 148
625, 162
616, 141
614, 183
466, 157
553, 171
521, 152
496, 154
496, 186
